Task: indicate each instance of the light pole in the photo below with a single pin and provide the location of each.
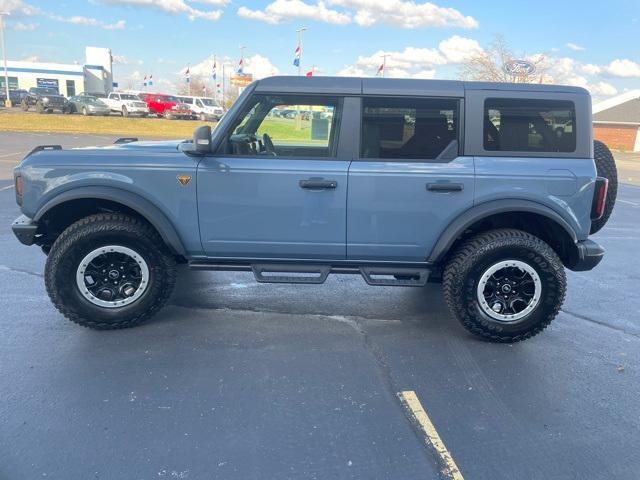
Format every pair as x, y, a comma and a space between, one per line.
300, 31
7, 103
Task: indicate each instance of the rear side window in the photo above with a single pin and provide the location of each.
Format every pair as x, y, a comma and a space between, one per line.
408, 128
514, 125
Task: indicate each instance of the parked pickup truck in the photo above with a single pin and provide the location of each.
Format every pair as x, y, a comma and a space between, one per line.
126, 104
167, 106
468, 184
44, 100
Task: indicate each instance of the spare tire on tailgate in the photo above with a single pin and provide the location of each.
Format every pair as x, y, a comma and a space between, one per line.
606, 167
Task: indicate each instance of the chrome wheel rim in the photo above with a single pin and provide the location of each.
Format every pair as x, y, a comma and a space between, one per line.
112, 276
509, 290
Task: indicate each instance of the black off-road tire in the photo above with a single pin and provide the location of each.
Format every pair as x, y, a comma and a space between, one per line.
606, 167
474, 256
24, 105
39, 107
85, 236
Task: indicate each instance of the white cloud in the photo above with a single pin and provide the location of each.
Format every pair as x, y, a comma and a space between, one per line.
456, 49
282, 10
257, 65
591, 69
415, 62
90, 22
575, 47
405, 14
31, 58
400, 13
177, 7
23, 27
623, 68
124, 60
18, 7
602, 89
260, 67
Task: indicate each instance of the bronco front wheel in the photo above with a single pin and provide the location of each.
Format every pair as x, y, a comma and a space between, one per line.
504, 285
109, 271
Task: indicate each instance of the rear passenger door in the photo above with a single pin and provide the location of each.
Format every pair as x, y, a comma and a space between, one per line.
409, 181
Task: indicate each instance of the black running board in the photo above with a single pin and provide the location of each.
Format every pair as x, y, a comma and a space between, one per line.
388, 276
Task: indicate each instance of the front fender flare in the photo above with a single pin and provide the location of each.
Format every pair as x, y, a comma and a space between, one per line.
135, 202
485, 210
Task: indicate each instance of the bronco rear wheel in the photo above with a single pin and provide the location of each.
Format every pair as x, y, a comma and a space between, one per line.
109, 271
606, 167
504, 285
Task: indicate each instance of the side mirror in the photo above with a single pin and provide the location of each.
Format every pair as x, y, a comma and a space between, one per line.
202, 140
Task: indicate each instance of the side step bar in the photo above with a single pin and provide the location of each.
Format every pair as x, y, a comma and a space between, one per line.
387, 276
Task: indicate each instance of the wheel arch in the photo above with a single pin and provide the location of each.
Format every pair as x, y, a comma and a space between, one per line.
83, 201
532, 217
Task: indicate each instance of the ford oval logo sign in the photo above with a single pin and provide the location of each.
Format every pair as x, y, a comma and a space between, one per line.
519, 67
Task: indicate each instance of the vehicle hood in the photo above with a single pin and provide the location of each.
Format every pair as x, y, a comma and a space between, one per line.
117, 153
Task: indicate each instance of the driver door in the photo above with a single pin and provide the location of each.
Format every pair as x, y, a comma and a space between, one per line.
277, 186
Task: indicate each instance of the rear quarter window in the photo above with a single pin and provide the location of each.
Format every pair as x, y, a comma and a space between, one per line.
525, 125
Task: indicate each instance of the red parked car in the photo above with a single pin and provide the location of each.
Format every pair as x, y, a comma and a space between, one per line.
167, 106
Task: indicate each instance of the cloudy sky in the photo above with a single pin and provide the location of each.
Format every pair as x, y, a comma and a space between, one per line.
590, 44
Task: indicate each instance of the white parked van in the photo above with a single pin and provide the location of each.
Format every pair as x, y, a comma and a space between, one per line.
205, 108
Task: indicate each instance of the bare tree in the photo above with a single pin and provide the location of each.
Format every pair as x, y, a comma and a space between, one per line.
489, 65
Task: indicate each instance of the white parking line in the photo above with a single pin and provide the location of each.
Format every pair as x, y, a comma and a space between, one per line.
6, 188
628, 202
432, 438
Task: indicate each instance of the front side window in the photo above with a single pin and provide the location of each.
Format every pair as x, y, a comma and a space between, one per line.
514, 125
408, 128
285, 126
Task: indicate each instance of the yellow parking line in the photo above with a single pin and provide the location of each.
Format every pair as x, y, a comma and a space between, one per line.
432, 438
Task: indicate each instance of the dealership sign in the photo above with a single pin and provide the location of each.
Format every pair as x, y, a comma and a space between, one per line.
241, 80
519, 68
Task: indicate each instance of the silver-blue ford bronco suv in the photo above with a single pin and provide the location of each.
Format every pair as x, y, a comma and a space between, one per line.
491, 189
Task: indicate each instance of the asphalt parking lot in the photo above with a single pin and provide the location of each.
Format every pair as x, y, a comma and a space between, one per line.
240, 380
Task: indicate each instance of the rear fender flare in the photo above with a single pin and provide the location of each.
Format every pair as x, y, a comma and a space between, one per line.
485, 210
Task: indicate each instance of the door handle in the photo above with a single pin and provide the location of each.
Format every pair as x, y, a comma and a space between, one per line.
318, 184
445, 187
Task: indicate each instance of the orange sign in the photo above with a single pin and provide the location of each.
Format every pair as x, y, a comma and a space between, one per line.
241, 80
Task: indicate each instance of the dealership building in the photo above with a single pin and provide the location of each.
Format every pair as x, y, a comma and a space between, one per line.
94, 76
616, 121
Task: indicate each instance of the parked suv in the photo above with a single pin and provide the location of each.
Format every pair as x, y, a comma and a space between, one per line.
468, 184
44, 100
126, 104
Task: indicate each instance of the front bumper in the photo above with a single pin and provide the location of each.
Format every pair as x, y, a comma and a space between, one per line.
138, 110
25, 230
589, 254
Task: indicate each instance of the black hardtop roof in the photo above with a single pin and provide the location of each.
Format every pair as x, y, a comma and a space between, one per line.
396, 86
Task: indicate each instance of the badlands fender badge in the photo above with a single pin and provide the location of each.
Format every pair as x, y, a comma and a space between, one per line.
184, 179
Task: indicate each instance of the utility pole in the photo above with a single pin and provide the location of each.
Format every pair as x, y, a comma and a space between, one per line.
7, 103
300, 31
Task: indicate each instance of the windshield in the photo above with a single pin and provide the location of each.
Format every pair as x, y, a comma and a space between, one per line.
129, 96
209, 102
93, 101
170, 98
44, 91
